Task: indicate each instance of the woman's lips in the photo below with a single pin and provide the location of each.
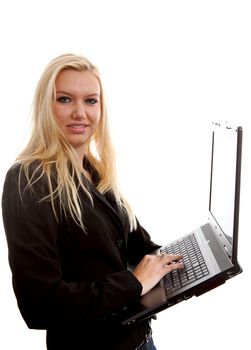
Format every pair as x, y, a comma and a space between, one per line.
77, 128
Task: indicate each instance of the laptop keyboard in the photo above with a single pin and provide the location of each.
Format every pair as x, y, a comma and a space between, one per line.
195, 266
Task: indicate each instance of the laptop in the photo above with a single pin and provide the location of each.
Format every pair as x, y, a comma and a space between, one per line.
210, 251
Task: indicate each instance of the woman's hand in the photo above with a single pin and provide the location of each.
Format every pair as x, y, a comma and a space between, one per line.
153, 267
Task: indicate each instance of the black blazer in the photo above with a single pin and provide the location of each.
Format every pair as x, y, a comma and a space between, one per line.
71, 283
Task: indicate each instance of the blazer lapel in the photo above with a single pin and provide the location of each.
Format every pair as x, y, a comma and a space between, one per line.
108, 205
95, 178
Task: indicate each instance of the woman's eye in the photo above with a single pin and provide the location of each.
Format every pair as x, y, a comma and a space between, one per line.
64, 99
91, 101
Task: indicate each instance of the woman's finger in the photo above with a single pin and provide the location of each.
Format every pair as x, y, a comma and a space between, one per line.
173, 266
170, 258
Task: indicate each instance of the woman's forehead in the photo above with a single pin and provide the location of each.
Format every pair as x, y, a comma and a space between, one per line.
75, 82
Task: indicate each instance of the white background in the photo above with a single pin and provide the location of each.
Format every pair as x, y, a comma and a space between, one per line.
170, 68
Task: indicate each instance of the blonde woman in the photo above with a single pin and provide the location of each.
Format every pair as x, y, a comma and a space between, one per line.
70, 232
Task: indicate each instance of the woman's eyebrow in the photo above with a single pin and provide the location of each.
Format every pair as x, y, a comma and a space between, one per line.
93, 94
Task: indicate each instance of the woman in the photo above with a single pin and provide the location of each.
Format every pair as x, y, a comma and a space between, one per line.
70, 232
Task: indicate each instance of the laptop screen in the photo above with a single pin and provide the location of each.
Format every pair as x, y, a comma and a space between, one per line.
225, 178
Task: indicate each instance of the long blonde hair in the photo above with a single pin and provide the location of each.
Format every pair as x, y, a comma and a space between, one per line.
54, 154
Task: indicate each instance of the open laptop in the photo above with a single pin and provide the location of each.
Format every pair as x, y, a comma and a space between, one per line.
210, 251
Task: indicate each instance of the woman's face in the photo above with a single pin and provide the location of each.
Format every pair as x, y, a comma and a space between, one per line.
77, 106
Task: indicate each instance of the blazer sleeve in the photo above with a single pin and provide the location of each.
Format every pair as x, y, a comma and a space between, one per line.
139, 244
44, 298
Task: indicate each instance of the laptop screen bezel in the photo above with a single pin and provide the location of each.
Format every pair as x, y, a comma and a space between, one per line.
231, 250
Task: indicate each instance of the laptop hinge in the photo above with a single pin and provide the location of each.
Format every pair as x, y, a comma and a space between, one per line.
236, 270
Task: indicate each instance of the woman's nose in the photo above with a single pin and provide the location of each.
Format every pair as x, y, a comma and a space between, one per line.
79, 111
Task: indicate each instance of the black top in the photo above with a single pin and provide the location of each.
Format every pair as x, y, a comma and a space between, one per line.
71, 283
